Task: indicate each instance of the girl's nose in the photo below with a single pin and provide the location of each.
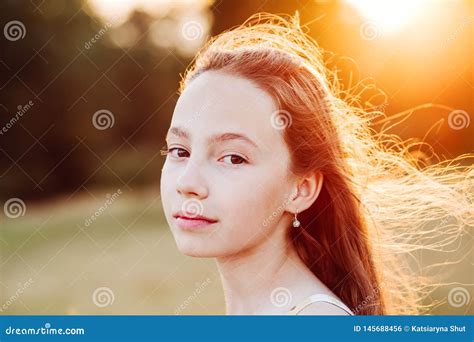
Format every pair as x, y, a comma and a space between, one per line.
191, 181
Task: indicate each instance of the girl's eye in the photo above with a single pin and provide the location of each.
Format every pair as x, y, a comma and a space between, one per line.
234, 159
177, 152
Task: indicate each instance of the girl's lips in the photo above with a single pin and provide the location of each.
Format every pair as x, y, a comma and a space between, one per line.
192, 223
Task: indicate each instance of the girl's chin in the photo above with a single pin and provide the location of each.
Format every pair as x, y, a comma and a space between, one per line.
199, 254
192, 251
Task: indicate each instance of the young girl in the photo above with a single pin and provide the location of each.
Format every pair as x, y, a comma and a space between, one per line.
273, 173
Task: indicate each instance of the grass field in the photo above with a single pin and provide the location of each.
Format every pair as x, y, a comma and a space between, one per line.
125, 262
128, 249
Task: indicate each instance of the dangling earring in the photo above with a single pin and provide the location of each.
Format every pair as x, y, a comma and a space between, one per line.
296, 223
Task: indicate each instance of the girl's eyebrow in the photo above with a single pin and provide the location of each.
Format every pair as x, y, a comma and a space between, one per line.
178, 132
217, 138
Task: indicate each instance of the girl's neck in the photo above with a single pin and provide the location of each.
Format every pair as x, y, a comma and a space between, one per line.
250, 277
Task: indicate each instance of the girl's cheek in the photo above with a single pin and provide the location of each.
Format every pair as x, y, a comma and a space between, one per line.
167, 185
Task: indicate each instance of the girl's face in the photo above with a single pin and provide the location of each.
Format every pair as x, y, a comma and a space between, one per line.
228, 162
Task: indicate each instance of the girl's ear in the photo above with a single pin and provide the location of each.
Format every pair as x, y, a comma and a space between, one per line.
306, 192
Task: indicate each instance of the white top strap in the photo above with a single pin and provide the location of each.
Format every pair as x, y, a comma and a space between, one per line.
319, 298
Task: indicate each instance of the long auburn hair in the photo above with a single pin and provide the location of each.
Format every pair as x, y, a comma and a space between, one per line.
375, 202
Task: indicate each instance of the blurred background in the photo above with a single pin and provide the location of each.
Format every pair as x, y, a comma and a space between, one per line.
86, 97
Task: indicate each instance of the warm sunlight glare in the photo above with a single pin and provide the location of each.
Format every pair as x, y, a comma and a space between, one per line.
390, 15
117, 11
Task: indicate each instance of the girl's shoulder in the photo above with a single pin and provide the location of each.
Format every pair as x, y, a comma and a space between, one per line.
325, 305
